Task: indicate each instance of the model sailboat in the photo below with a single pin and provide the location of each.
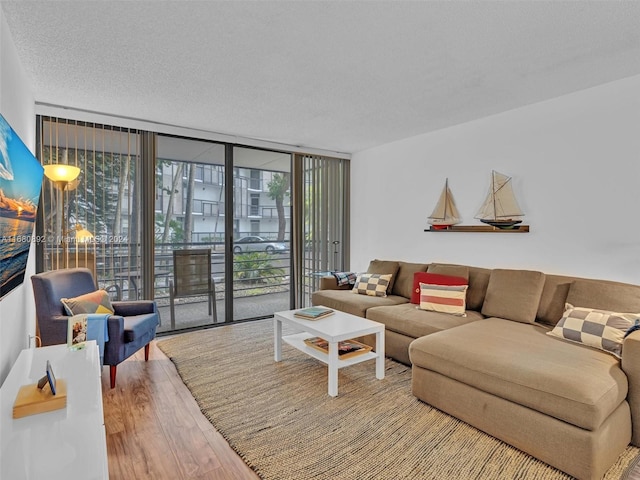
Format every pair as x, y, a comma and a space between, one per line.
445, 214
500, 208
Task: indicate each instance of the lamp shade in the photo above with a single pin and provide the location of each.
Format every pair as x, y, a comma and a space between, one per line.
83, 235
61, 172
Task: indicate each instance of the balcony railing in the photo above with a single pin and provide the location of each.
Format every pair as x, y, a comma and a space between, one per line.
117, 268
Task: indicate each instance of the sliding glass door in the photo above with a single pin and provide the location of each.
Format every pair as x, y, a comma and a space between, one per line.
189, 215
261, 232
192, 208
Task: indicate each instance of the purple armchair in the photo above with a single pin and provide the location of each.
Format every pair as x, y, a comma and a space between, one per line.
131, 327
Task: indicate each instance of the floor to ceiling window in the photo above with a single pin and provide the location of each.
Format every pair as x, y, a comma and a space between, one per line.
189, 215
145, 201
261, 232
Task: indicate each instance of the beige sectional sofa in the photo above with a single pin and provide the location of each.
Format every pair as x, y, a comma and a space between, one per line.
572, 406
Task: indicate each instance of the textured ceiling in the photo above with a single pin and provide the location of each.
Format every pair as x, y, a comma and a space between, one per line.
343, 76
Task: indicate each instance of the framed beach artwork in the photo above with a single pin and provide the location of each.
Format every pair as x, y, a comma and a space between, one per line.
20, 183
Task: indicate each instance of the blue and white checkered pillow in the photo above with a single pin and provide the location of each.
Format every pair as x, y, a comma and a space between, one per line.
372, 284
595, 328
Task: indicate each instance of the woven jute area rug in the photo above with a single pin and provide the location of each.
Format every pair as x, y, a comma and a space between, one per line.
280, 420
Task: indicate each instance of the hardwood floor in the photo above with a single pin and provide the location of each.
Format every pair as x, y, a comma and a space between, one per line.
155, 429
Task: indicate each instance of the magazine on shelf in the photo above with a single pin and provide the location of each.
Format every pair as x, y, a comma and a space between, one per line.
346, 348
313, 313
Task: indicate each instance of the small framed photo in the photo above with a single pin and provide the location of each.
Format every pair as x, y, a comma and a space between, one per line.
51, 378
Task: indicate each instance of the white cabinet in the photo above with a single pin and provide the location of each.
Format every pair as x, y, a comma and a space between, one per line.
63, 444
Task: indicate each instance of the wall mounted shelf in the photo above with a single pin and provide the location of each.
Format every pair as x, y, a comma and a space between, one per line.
481, 229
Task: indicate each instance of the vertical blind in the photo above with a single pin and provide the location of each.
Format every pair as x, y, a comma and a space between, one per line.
101, 218
321, 211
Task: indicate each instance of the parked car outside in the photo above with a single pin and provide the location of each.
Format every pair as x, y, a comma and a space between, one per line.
258, 244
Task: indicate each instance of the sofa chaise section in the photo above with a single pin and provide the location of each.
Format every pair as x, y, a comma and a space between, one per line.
562, 403
568, 404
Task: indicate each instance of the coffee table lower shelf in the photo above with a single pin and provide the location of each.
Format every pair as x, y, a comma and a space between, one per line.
334, 328
297, 341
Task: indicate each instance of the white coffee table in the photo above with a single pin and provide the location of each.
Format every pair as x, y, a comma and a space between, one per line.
334, 328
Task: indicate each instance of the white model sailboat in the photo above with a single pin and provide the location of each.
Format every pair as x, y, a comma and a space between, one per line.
500, 208
445, 214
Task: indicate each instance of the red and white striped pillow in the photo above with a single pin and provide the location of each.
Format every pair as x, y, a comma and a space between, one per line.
444, 298
433, 279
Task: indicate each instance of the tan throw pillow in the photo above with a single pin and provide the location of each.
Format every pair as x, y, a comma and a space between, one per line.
595, 328
93, 302
443, 298
513, 295
384, 267
374, 285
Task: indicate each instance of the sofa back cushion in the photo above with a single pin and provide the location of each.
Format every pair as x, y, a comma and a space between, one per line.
384, 267
478, 281
403, 285
553, 299
449, 270
513, 295
586, 293
604, 295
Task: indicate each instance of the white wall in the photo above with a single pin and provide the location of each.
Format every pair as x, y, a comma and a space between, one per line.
575, 161
17, 310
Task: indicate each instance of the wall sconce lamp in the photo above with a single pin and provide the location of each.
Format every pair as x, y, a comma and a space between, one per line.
62, 177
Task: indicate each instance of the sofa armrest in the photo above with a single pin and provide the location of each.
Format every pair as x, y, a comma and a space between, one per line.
329, 282
631, 367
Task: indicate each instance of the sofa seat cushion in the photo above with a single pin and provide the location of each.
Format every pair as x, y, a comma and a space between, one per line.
137, 326
520, 363
409, 320
346, 301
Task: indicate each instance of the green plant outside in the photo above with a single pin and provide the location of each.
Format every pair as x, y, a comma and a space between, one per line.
256, 268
